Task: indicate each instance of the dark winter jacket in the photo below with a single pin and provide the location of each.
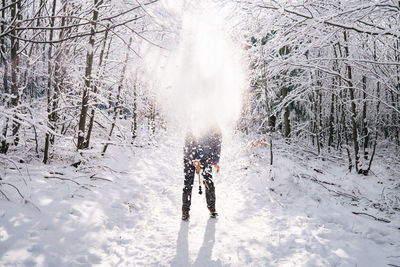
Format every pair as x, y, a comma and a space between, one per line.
205, 148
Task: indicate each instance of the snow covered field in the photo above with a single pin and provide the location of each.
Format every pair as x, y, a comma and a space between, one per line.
299, 213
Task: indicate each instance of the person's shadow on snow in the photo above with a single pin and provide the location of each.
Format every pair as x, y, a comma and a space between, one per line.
205, 252
182, 247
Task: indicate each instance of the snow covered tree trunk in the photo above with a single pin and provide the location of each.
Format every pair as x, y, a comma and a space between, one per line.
315, 94
397, 104
335, 107
96, 85
117, 102
270, 126
284, 92
5, 99
344, 127
331, 119
343, 100
364, 119
50, 90
15, 14
320, 131
152, 118
88, 77
353, 103
59, 70
3, 51
134, 115
378, 89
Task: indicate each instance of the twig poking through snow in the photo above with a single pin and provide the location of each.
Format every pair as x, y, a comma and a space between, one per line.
22, 196
14, 188
372, 216
61, 178
131, 206
5, 196
16, 166
67, 179
94, 177
322, 183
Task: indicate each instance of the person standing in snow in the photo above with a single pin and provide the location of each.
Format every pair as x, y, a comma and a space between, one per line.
203, 150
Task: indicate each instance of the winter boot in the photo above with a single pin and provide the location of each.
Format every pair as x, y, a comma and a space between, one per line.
213, 214
185, 215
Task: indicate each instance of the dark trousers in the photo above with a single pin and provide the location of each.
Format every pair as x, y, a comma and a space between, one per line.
190, 174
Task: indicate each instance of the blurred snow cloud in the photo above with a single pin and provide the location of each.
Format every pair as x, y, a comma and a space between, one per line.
199, 80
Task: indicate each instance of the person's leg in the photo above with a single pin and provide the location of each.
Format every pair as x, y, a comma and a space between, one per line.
209, 185
188, 184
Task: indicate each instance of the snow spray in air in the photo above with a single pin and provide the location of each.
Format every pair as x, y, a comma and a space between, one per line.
200, 81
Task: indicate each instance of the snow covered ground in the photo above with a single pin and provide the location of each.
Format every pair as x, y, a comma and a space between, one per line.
299, 213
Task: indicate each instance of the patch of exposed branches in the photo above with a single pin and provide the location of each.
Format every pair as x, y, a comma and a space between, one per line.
328, 186
390, 198
84, 186
26, 201
371, 216
324, 185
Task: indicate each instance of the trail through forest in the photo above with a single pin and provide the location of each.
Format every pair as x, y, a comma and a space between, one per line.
91, 162
134, 218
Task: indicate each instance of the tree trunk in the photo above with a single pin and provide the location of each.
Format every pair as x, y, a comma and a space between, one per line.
3, 51
153, 118
95, 88
364, 119
270, 125
353, 104
397, 104
345, 133
316, 124
117, 102
343, 99
321, 134
15, 11
5, 100
88, 77
378, 86
59, 71
50, 92
394, 118
331, 120
134, 119
286, 112
338, 82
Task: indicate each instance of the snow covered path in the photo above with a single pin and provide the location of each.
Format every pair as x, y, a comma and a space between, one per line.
135, 219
